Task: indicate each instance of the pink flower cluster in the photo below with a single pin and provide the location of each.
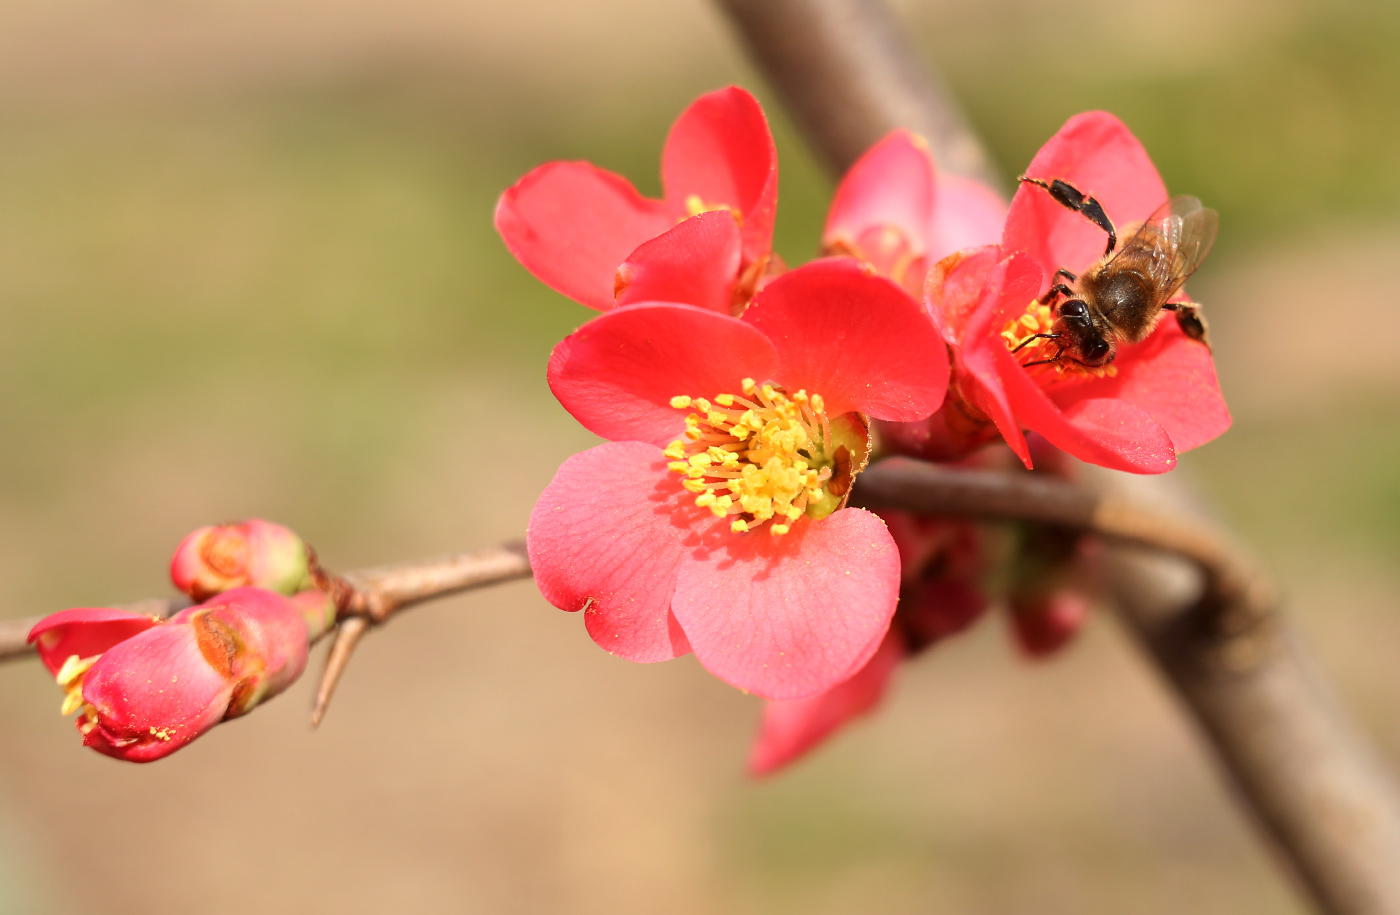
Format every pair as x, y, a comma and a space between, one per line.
740, 401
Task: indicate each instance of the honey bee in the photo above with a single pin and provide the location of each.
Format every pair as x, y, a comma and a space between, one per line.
1121, 297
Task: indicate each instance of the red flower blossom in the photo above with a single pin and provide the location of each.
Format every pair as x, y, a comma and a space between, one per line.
253, 553
893, 211
1157, 398
714, 520
943, 562
146, 687
588, 234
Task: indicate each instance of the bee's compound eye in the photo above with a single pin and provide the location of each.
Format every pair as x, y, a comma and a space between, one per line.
1074, 309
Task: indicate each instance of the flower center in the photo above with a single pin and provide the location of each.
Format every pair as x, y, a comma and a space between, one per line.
70, 677
767, 456
695, 205
1040, 319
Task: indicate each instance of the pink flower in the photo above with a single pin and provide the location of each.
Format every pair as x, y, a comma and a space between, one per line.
943, 563
893, 211
145, 687
588, 234
713, 520
253, 553
1157, 398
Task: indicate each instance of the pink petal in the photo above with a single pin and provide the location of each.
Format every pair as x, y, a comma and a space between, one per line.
609, 534
789, 617
571, 224
892, 186
694, 263
618, 373
1108, 432
720, 150
858, 340
966, 213
1008, 288
1172, 377
1096, 153
154, 693
84, 632
954, 288
792, 727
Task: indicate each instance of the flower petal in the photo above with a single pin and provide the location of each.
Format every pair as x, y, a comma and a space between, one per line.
618, 373
1096, 153
1173, 378
571, 224
789, 617
858, 340
1105, 431
792, 727
966, 213
892, 186
694, 263
84, 631
1009, 286
607, 537
153, 693
721, 151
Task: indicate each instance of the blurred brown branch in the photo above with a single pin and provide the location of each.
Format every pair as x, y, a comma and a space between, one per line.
849, 75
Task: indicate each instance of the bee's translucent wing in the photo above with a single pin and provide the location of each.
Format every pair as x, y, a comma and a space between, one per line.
1171, 243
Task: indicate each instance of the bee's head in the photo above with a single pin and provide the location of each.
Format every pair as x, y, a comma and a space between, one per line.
1085, 342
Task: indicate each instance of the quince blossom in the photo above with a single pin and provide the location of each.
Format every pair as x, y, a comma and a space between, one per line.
714, 519
588, 234
1156, 399
895, 212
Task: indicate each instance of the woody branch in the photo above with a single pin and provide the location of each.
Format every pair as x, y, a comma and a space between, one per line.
849, 75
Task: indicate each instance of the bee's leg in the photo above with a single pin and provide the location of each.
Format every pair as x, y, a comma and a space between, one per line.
1057, 289
1062, 272
1026, 342
1031, 365
1071, 197
1188, 317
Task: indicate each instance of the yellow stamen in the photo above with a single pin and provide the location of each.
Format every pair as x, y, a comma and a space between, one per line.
771, 461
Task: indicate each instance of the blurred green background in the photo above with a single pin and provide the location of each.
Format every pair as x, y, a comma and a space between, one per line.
247, 267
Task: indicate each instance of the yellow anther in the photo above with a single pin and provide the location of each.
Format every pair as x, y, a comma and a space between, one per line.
778, 529
72, 701
759, 465
73, 668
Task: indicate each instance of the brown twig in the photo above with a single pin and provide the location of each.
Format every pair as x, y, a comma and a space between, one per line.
366, 598
369, 597
1300, 768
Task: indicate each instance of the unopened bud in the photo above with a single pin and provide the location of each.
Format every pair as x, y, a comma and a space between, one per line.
145, 687
254, 553
1044, 626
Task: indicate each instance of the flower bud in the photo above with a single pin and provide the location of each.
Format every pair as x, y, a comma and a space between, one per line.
145, 687
1043, 626
255, 553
